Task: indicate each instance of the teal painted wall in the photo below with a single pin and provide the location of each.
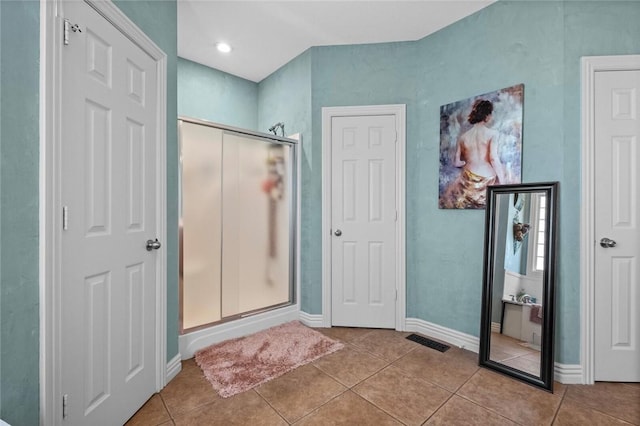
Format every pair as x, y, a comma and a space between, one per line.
213, 95
351, 75
531, 42
19, 194
19, 168
285, 96
535, 43
591, 29
492, 49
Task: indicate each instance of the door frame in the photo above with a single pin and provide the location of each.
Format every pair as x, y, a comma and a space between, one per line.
50, 205
589, 66
399, 111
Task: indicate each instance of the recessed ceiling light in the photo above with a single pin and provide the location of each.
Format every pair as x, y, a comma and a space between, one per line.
223, 47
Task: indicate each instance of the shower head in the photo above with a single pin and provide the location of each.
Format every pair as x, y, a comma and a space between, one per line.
275, 127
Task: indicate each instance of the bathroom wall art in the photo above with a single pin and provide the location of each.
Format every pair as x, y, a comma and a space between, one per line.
480, 145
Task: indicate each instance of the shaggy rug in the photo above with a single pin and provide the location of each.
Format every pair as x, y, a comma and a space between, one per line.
238, 365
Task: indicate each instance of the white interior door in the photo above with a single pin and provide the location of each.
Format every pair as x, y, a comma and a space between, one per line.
617, 218
363, 221
109, 190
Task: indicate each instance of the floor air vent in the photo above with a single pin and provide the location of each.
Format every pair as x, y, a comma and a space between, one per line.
428, 342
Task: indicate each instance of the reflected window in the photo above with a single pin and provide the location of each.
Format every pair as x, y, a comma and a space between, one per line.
538, 217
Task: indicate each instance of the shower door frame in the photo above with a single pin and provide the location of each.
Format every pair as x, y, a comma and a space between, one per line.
292, 203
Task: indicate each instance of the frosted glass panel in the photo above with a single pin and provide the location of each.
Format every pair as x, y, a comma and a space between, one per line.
236, 224
201, 221
255, 228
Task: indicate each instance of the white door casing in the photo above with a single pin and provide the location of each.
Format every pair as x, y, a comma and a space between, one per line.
610, 294
104, 334
617, 217
363, 202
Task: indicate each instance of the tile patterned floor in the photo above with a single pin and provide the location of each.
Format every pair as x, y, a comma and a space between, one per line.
381, 378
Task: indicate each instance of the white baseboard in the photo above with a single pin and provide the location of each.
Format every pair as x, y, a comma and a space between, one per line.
453, 337
568, 374
173, 367
495, 327
312, 320
190, 343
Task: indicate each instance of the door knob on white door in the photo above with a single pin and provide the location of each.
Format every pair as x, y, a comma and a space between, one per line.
607, 243
153, 245
337, 233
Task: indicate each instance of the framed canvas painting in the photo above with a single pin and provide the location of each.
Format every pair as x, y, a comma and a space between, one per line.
480, 145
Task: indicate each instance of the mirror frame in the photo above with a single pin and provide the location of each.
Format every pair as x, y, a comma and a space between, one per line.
547, 362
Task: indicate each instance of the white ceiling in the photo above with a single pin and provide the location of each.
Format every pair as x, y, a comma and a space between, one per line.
267, 34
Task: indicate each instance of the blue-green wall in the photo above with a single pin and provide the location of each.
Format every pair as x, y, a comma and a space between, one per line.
19, 194
285, 96
19, 168
531, 42
213, 95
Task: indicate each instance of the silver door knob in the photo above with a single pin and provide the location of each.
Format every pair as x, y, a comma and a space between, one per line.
153, 244
607, 243
337, 233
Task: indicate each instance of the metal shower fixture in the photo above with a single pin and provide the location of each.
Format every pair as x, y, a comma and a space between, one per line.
274, 129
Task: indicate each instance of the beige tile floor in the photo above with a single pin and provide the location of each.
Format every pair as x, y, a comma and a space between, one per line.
381, 378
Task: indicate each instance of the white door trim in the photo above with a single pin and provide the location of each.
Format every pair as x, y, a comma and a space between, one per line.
50, 204
399, 111
590, 65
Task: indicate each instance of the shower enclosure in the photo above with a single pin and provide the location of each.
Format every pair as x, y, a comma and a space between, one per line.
237, 224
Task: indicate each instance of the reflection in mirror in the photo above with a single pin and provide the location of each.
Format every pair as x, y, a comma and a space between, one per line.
516, 335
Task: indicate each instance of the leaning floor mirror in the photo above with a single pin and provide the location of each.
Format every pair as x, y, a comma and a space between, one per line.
518, 307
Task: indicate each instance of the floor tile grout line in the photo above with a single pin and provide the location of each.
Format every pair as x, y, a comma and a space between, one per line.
164, 404
452, 394
478, 404
320, 406
613, 416
555, 415
269, 404
360, 381
491, 410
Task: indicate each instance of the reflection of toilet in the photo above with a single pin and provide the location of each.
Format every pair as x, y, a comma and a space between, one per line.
516, 322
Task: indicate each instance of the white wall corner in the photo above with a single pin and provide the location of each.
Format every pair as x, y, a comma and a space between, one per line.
447, 335
174, 366
312, 320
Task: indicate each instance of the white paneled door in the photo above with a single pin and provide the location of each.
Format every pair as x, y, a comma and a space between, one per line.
108, 190
617, 226
363, 221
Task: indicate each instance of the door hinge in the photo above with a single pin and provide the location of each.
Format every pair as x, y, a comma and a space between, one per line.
396, 297
68, 26
396, 217
65, 218
65, 399
395, 136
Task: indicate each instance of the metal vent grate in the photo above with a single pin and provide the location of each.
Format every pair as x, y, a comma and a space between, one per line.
428, 342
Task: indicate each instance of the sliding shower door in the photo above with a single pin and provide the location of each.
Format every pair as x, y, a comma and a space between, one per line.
237, 225
200, 224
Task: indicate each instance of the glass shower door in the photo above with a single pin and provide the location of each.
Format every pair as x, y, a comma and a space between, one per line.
236, 228
201, 224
